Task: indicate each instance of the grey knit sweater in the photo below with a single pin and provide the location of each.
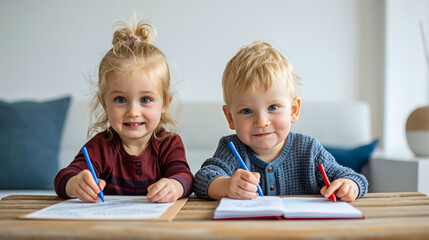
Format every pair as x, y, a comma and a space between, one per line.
293, 172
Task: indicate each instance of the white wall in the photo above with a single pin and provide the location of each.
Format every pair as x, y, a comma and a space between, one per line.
407, 73
50, 48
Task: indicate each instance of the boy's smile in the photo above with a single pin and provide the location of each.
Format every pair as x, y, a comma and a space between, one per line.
261, 134
262, 119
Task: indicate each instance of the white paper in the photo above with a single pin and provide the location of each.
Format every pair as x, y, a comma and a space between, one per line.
113, 207
304, 207
260, 206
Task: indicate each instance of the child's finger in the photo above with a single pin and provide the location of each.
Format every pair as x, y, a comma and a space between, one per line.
83, 195
351, 195
249, 177
89, 180
161, 196
153, 189
343, 191
347, 199
87, 192
243, 194
89, 189
334, 186
250, 195
246, 186
150, 190
101, 184
257, 176
322, 191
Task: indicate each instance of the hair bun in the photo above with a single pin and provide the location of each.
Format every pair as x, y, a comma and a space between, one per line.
130, 33
142, 31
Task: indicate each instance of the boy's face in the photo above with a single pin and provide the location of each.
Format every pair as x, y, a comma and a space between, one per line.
262, 120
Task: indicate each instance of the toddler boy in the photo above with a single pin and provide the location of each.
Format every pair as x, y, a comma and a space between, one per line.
260, 105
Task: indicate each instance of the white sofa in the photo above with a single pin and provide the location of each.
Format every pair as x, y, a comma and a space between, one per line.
203, 123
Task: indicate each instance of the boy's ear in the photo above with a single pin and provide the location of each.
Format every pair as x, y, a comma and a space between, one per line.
166, 104
296, 106
228, 116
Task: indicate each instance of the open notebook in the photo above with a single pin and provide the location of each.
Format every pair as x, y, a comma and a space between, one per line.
285, 208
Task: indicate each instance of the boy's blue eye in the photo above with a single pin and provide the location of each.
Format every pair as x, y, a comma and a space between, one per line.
272, 107
246, 111
145, 100
120, 100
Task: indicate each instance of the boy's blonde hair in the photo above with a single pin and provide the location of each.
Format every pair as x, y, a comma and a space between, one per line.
257, 66
132, 50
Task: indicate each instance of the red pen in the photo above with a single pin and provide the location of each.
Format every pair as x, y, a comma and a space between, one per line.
327, 183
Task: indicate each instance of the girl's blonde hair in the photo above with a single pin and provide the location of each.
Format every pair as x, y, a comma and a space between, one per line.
258, 66
132, 50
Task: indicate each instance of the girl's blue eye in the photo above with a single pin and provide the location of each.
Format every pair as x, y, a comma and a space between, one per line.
272, 107
145, 100
120, 100
246, 111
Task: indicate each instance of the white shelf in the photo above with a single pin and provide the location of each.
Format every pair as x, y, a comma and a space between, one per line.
395, 173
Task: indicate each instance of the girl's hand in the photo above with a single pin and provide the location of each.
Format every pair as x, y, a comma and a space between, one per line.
243, 185
345, 189
83, 186
165, 190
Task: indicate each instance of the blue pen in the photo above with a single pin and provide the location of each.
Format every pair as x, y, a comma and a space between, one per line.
91, 169
242, 164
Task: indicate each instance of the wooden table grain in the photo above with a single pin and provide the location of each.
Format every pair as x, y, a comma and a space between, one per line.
402, 215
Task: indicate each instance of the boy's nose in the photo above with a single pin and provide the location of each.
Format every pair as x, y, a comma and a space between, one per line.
262, 120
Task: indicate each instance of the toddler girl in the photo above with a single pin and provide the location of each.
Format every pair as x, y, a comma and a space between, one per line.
132, 153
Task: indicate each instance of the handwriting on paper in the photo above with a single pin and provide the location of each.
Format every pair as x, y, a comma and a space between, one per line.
114, 207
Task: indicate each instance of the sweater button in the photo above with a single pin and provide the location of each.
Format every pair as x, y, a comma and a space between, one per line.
270, 169
138, 164
138, 171
272, 188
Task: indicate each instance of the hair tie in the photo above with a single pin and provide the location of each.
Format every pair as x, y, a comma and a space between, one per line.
134, 38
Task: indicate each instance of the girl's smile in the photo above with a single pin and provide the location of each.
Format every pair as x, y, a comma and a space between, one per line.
133, 125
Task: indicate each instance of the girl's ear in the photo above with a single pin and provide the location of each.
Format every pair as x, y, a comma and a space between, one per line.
296, 106
228, 116
166, 104
102, 103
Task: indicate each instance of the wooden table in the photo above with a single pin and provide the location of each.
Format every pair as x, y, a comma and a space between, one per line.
389, 216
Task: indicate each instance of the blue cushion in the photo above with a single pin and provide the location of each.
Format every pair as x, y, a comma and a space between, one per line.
353, 158
29, 143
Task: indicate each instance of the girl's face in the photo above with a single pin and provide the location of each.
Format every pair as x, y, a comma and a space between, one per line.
133, 103
262, 120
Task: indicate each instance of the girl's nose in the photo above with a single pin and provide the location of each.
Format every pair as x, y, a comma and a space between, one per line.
133, 110
262, 120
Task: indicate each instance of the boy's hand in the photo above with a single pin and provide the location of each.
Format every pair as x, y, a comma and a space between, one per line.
83, 186
345, 189
243, 185
165, 190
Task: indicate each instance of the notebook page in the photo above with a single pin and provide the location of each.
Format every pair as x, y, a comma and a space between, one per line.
260, 206
307, 207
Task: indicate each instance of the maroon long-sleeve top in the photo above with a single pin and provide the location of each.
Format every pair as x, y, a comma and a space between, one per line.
127, 174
